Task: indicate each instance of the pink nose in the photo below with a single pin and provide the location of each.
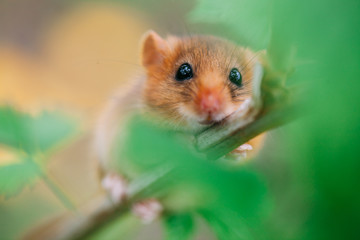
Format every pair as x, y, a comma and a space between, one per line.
209, 103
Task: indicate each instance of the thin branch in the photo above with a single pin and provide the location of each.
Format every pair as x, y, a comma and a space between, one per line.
92, 217
280, 107
221, 139
65, 200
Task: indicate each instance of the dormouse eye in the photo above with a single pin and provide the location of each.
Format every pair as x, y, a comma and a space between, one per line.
184, 72
235, 77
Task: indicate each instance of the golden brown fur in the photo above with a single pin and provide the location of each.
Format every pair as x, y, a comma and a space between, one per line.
211, 59
178, 103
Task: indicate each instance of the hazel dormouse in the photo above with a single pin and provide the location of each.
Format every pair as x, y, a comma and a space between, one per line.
189, 83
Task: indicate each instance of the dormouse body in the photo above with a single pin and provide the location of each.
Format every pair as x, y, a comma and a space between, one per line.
188, 83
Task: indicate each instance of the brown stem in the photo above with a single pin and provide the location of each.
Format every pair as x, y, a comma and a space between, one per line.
280, 107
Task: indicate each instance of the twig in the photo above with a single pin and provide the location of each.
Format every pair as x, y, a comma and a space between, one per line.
92, 217
280, 107
223, 138
65, 200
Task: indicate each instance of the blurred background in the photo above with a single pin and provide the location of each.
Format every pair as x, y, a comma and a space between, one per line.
70, 56
54, 52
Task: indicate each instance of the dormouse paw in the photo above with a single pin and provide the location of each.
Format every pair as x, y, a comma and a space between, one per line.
147, 210
242, 151
116, 186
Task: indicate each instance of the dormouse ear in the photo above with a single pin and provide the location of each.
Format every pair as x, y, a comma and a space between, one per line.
153, 49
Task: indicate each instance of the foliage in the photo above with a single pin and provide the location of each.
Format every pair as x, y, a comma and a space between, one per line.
14, 177
30, 139
32, 134
317, 39
200, 178
248, 20
179, 227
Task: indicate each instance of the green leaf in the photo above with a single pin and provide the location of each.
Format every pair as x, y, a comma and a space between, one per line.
247, 20
195, 181
179, 227
12, 129
123, 227
226, 224
32, 134
14, 177
50, 128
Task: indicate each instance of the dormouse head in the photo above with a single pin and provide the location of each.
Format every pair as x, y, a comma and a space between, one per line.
196, 80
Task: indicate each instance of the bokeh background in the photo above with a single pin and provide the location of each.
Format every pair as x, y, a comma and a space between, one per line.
70, 56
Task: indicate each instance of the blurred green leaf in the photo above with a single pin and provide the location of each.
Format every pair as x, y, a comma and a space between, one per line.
123, 227
247, 20
33, 134
194, 182
30, 135
50, 128
227, 224
14, 177
179, 226
12, 129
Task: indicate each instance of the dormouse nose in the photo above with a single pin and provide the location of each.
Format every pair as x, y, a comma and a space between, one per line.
209, 102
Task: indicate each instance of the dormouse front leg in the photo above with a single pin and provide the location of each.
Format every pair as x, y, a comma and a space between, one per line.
117, 188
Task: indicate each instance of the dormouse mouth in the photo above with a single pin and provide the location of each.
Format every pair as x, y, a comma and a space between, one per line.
207, 122
210, 121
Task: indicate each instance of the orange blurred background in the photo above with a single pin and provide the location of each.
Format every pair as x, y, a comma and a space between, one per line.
81, 56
